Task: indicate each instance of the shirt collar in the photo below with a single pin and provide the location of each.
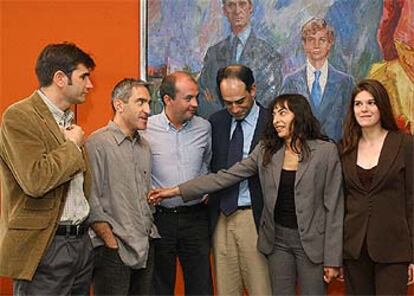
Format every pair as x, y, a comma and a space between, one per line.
119, 135
251, 118
166, 123
243, 36
311, 69
62, 118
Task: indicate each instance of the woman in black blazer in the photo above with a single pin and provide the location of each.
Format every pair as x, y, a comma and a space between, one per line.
378, 170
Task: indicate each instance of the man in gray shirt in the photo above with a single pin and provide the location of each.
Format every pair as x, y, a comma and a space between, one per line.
181, 150
121, 218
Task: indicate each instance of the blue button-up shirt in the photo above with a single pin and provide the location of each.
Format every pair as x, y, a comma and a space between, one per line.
178, 155
249, 126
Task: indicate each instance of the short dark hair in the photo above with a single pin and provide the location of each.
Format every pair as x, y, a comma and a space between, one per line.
63, 57
168, 86
122, 90
236, 71
352, 130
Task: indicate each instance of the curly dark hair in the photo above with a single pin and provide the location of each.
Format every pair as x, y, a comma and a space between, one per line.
304, 127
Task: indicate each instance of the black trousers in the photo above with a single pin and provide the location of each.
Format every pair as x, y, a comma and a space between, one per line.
366, 277
184, 235
112, 277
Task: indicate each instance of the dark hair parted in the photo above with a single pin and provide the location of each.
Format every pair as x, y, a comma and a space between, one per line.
63, 57
304, 127
168, 83
352, 130
236, 71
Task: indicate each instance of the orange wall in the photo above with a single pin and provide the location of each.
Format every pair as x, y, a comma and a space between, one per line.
109, 30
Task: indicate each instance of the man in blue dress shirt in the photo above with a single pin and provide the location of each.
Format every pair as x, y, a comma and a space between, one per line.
238, 264
181, 150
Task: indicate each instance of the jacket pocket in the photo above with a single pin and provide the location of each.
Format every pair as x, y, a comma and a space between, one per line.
39, 204
29, 222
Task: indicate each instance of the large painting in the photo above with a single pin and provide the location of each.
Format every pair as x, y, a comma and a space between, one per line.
371, 39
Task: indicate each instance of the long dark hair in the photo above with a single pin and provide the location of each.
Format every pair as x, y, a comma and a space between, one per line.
304, 127
352, 130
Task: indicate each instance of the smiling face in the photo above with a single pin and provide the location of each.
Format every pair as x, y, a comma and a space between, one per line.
366, 110
283, 119
183, 107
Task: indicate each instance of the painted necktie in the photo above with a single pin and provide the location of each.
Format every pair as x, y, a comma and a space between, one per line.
316, 92
234, 45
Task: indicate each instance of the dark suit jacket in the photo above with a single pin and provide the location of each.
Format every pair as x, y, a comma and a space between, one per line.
221, 124
258, 55
318, 198
36, 166
335, 99
383, 214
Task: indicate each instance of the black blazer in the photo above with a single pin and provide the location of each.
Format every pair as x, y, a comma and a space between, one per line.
383, 214
221, 124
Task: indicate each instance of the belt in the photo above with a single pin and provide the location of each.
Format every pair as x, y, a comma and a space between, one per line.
181, 209
72, 230
241, 208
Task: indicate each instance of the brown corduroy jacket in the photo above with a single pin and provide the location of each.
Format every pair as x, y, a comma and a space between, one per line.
36, 167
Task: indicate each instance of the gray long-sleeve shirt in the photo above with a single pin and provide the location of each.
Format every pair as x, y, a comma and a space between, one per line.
121, 169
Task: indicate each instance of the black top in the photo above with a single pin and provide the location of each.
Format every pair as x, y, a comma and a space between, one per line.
366, 176
285, 210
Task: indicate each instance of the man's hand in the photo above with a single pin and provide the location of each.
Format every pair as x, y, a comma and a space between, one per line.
155, 196
104, 231
330, 274
75, 134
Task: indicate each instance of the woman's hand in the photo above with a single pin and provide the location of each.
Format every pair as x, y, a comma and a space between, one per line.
410, 274
341, 276
155, 196
330, 274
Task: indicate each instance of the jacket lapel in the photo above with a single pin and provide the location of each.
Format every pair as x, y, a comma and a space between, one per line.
277, 164
390, 149
224, 52
249, 47
329, 92
304, 164
349, 164
47, 117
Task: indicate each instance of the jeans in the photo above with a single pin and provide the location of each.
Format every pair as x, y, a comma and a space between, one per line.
183, 235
